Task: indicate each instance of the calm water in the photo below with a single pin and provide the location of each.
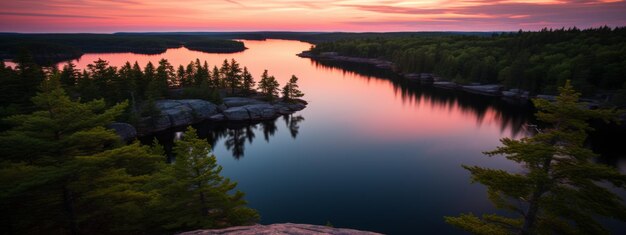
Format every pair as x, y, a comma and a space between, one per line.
370, 151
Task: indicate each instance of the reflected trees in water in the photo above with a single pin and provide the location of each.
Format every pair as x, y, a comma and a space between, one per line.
234, 134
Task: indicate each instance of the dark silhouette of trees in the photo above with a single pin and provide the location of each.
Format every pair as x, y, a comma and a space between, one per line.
291, 90
561, 189
535, 61
63, 172
268, 86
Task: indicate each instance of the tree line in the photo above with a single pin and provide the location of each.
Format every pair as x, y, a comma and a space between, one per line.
593, 59
53, 48
141, 87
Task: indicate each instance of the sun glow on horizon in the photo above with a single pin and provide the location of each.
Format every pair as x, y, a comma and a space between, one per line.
299, 15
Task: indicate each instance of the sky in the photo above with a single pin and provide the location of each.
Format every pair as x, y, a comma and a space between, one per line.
107, 16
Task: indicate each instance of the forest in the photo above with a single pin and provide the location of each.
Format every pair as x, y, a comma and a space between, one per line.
53, 48
64, 172
48, 49
593, 59
138, 86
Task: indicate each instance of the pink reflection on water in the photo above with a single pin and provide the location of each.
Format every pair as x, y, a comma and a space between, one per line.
369, 107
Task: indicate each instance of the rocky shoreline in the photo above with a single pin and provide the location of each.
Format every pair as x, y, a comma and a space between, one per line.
426, 78
286, 228
184, 112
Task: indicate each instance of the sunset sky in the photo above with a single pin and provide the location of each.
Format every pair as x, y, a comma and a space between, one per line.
305, 15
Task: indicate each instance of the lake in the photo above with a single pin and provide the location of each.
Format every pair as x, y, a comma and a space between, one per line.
371, 151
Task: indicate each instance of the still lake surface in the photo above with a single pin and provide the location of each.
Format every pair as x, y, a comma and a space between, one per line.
371, 151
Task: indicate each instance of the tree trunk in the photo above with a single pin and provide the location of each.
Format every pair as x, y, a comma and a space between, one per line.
531, 215
533, 208
69, 210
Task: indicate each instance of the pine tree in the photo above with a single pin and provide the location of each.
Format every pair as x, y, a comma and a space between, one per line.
268, 86
195, 195
180, 76
233, 76
63, 172
290, 90
223, 73
248, 82
559, 191
165, 74
217, 80
69, 76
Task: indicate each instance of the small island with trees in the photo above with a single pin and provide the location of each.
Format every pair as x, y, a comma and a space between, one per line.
159, 97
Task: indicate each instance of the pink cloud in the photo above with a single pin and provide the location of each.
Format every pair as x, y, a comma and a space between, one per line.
301, 15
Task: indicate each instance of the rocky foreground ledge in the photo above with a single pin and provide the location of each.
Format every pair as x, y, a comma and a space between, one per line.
277, 229
175, 113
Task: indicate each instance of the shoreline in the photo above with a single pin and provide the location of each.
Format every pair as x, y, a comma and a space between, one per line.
175, 113
494, 90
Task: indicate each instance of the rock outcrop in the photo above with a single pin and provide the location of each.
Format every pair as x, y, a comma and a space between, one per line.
276, 229
126, 131
175, 113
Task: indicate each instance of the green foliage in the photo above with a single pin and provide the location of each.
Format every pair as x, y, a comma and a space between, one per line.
593, 59
63, 172
215, 45
290, 90
248, 83
195, 195
232, 75
268, 86
561, 189
53, 48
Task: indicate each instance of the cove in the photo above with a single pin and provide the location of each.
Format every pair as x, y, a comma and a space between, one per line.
371, 151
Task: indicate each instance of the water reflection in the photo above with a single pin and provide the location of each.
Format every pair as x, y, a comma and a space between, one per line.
235, 135
509, 115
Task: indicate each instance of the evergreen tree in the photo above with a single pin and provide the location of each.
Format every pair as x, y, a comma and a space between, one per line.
290, 90
180, 76
224, 70
215, 75
69, 76
233, 76
195, 195
190, 74
165, 73
248, 82
559, 191
29, 76
63, 172
268, 86
140, 80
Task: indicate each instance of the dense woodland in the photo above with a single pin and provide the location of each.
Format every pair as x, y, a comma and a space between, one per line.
64, 172
48, 49
593, 59
140, 87
53, 48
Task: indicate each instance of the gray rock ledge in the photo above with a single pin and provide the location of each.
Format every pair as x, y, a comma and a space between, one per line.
175, 113
277, 229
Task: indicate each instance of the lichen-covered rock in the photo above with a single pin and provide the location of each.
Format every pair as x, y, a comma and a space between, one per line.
279, 229
217, 117
180, 115
236, 114
174, 113
201, 109
240, 101
262, 111
160, 122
